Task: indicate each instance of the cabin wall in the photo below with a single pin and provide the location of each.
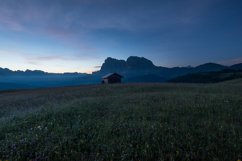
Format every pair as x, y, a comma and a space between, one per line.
111, 80
105, 81
114, 80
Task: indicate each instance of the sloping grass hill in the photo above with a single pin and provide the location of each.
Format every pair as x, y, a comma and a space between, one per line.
209, 77
138, 122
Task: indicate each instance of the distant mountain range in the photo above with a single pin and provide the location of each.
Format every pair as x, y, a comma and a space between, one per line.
8, 72
134, 69
37, 79
139, 69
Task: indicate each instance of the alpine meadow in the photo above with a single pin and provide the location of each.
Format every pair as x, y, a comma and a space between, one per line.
123, 122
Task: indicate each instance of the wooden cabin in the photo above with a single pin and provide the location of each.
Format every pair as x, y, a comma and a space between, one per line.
112, 78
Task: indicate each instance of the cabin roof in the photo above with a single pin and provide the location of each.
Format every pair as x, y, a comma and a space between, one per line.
111, 74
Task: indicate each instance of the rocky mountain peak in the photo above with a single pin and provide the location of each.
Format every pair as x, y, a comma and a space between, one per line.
139, 62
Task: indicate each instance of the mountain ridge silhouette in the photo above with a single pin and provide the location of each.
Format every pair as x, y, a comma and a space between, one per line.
134, 69
139, 66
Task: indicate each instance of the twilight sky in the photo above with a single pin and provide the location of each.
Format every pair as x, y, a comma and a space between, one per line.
77, 35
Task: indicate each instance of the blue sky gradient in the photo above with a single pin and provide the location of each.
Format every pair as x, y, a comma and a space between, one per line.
77, 35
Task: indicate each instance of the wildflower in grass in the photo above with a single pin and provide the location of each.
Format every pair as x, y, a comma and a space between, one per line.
39, 127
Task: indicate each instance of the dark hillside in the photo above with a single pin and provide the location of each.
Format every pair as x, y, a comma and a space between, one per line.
209, 77
208, 67
237, 66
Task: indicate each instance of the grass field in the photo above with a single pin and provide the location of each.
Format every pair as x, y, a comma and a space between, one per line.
138, 122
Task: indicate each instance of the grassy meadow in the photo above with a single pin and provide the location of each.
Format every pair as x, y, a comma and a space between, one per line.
126, 122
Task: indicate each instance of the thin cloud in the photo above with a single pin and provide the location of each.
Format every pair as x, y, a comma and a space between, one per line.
11, 24
49, 58
41, 59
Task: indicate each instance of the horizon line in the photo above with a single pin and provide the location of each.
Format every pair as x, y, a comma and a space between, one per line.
90, 72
